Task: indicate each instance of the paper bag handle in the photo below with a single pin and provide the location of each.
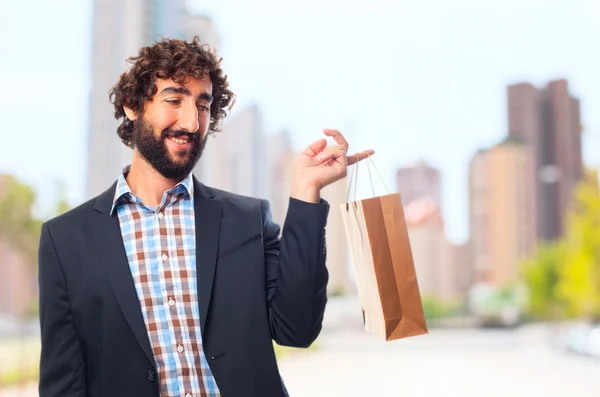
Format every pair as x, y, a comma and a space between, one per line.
354, 175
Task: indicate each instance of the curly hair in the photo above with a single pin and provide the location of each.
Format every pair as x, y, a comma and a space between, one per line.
169, 58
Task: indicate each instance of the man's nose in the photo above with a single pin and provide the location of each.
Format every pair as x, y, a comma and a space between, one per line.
188, 118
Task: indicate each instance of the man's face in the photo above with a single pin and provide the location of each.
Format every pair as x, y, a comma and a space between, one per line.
171, 133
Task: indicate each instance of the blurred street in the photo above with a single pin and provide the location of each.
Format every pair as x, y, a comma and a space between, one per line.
447, 362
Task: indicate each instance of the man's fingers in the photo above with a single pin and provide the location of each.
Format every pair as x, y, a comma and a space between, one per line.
324, 158
329, 153
337, 137
321, 153
315, 148
360, 156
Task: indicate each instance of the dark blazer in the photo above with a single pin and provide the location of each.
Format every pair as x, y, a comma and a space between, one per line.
253, 288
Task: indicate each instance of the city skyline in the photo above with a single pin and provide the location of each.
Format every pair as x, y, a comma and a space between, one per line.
483, 116
450, 86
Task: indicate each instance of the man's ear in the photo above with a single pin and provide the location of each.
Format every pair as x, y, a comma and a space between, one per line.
130, 113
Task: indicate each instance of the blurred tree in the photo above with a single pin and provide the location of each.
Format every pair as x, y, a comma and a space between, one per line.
434, 307
579, 278
18, 227
541, 275
563, 277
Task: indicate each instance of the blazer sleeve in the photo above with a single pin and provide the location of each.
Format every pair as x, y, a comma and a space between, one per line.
62, 370
296, 273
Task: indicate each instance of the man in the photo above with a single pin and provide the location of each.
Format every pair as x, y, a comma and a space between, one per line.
162, 286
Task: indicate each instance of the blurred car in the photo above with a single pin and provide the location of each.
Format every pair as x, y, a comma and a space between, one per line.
497, 307
581, 338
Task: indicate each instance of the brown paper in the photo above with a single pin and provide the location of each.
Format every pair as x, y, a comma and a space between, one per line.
383, 263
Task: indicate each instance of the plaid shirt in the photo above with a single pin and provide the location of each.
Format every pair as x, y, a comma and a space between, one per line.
161, 249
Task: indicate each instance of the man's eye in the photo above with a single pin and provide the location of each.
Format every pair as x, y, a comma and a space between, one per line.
174, 101
203, 108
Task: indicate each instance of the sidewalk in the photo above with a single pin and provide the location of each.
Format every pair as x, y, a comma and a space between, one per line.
29, 390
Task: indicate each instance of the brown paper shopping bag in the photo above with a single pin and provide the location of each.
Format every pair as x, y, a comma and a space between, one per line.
385, 273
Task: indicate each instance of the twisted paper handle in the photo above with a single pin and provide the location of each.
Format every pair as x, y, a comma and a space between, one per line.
354, 175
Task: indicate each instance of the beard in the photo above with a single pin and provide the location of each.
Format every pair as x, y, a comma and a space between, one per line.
155, 151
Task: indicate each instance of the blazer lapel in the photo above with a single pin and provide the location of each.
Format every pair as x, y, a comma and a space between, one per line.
208, 213
107, 233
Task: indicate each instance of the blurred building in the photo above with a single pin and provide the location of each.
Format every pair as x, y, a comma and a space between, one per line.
204, 28
502, 211
441, 266
548, 119
426, 234
443, 269
18, 280
479, 215
418, 181
337, 243
455, 271
239, 161
281, 155
18, 283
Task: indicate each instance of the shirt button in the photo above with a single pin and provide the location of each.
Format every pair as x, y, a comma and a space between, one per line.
160, 215
171, 302
180, 349
164, 257
188, 395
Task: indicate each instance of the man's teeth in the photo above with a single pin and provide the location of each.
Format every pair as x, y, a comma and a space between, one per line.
179, 140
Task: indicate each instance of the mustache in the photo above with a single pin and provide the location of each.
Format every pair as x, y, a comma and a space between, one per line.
192, 136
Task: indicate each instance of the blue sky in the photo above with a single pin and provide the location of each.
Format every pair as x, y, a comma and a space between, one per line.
413, 80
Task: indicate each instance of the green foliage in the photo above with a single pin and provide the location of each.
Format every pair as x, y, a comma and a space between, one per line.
507, 296
16, 376
579, 277
541, 274
564, 277
18, 227
435, 308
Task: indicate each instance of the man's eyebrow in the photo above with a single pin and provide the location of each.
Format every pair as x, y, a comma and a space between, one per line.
175, 90
184, 91
206, 96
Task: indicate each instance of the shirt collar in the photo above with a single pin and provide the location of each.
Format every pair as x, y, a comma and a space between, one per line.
123, 191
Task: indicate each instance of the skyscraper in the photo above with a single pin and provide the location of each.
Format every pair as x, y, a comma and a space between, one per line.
238, 162
418, 181
120, 28
502, 211
548, 119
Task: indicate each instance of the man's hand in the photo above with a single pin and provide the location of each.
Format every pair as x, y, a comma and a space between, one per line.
320, 165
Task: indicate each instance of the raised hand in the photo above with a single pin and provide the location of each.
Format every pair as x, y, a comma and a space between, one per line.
320, 165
